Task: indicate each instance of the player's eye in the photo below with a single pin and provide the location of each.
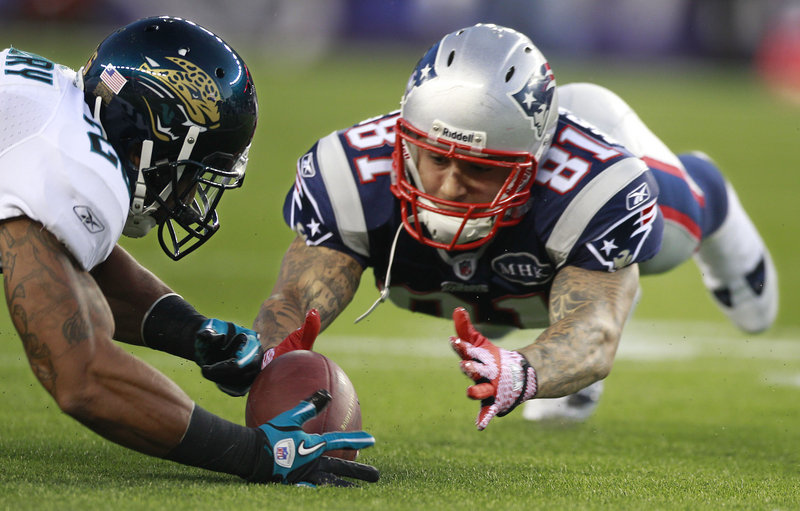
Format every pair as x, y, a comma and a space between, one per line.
438, 159
480, 169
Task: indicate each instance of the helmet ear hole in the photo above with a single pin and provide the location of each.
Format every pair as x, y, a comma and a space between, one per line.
450, 57
509, 74
219, 72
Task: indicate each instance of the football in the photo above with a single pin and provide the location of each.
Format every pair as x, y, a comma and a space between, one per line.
295, 376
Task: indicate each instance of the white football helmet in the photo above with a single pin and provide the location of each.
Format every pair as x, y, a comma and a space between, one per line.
484, 94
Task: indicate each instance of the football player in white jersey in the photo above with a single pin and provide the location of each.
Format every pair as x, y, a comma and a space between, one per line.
150, 132
497, 198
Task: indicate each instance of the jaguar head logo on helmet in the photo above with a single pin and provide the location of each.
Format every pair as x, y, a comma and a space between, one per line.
180, 109
486, 96
198, 93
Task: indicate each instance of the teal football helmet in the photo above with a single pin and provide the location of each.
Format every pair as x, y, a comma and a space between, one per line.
179, 107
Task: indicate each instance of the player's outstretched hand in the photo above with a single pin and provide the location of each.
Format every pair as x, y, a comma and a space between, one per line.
298, 456
301, 339
229, 355
503, 379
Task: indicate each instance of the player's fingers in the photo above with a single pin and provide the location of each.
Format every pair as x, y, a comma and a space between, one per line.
348, 440
305, 410
217, 369
249, 353
346, 468
464, 328
311, 328
466, 331
461, 347
480, 391
301, 339
473, 370
320, 478
485, 415
458, 346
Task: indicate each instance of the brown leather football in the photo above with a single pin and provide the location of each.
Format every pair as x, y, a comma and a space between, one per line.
295, 376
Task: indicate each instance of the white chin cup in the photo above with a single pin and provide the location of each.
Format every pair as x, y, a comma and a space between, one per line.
137, 226
443, 228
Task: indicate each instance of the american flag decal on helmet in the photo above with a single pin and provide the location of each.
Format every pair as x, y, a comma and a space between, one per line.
111, 77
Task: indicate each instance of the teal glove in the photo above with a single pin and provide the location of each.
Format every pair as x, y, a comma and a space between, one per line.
298, 456
229, 355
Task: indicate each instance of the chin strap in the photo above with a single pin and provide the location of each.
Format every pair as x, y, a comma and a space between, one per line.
185, 153
139, 221
98, 103
138, 224
385, 291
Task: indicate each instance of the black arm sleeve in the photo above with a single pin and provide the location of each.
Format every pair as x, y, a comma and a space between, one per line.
214, 443
171, 326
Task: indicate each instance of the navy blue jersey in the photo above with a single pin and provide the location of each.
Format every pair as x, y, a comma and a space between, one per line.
593, 205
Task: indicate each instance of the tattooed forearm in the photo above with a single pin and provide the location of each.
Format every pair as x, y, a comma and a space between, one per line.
39, 356
75, 329
331, 284
41, 286
576, 288
587, 312
7, 259
310, 277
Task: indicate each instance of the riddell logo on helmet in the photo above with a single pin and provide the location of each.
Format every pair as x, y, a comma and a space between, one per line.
458, 136
475, 139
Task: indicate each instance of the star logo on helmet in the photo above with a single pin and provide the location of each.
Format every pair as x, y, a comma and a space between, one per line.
536, 97
529, 100
424, 72
425, 69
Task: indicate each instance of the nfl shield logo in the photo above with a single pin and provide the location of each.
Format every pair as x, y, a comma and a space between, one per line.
281, 453
464, 267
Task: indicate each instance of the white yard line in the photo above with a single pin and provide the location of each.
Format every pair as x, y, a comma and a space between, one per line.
674, 340
642, 340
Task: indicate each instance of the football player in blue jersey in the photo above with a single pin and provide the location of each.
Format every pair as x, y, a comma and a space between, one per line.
149, 133
497, 198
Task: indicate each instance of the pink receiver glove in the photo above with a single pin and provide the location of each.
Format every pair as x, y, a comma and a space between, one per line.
301, 339
503, 379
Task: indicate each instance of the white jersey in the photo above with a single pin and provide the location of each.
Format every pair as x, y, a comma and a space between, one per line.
55, 166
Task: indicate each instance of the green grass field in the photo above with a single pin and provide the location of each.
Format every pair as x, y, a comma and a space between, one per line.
695, 415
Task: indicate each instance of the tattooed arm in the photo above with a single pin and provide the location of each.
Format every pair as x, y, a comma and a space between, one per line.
66, 326
588, 310
310, 277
